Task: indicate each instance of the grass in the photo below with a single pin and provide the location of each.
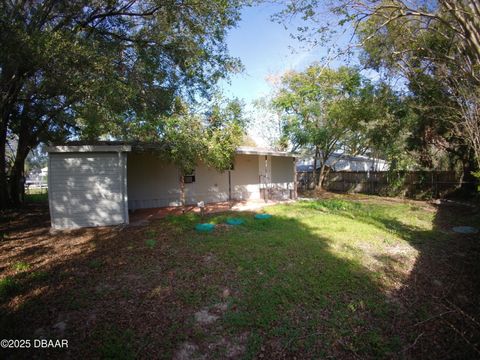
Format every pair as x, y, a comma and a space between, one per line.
8, 287
323, 264
20, 266
115, 344
296, 267
36, 197
319, 279
151, 243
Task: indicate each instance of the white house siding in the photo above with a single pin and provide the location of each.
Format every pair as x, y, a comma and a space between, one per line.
152, 182
210, 186
87, 189
361, 164
245, 177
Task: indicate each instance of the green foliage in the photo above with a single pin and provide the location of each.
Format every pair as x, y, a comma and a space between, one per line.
210, 138
476, 174
131, 65
340, 111
429, 49
396, 183
184, 136
92, 69
316, 106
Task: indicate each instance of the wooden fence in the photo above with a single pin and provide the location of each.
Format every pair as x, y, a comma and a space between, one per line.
411, 183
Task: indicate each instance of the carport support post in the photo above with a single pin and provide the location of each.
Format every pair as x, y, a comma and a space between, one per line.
265, 194
294, 179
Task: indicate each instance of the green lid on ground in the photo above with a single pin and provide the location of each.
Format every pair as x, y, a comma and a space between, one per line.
262, 216
235, 221
204, 227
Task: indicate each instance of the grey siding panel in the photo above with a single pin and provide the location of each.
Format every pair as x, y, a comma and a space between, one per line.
87, 189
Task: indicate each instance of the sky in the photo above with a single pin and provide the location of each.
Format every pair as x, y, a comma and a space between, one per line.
266, 50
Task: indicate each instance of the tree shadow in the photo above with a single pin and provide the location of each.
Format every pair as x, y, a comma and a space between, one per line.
440, 297
276, 288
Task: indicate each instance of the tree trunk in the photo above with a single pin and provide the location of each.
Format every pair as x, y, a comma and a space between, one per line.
321, 176
27, 139
468, 180
17, 174
3, 165
315, 173
10, 84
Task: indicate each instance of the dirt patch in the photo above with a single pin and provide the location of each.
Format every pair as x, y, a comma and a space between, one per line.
204, 317
188, 351
84, 283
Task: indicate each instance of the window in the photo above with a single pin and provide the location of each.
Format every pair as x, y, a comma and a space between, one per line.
190, 178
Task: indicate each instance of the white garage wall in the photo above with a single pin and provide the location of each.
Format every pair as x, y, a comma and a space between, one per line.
87, 189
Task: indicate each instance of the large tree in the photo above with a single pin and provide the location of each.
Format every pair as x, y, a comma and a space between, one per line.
327, 110
432, 46
78, 67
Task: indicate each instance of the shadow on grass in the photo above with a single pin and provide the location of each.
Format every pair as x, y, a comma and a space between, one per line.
134, 292
440, 299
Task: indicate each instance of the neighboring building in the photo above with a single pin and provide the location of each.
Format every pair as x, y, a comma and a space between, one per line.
38, 178
95, 185
339, 162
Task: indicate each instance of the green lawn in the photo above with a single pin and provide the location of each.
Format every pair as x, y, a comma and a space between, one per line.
343, 278
317, 272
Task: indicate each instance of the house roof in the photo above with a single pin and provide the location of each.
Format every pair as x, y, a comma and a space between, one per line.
88, 148
304, 168
119, 146
251, 150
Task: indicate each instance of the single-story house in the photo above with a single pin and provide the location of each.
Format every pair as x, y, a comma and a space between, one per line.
96, 185
342, 162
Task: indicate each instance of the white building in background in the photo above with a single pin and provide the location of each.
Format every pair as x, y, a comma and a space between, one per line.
38, 178
341, 162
